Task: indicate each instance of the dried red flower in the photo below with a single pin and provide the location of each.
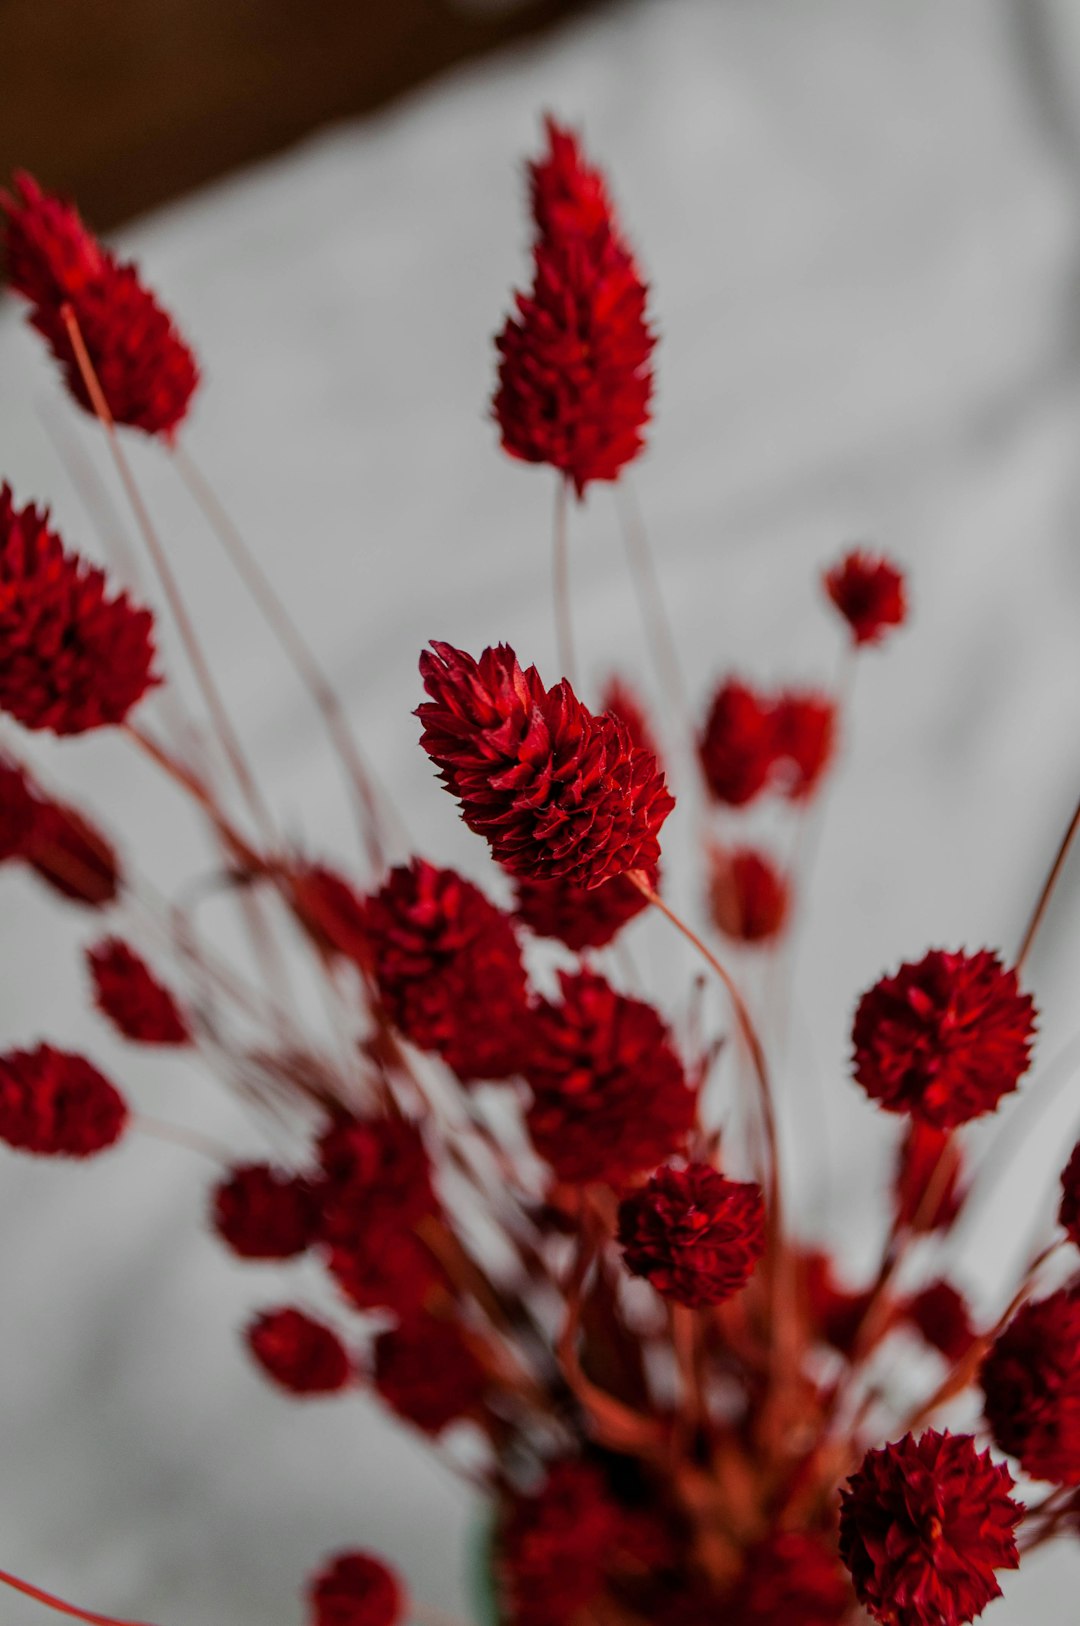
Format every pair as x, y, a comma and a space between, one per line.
1069, 1211
558, 793
426, 1371
71, 659
695, 1235
610, 1097
147, 372
1031, 1388
552, 1548
356, 1589
18, 806
749, 898
869, 593
737, 748
929, 1187
792, 1578
448, 968
129, 994
71, 856
386, 1269
581, 917
805, 738
375, 1172
56, 1104
943, 1039
331, 911
924, 1525
567, 194
299, 1354
940, 1314
265, 1213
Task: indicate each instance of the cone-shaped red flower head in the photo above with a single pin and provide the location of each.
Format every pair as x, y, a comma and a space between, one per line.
749, 899
619, 701
426, 1371
356, 1589
558, 793
1069, 1212
869, 593
265, 1213
929, 1185
18, 806
71, 658
944, 1039
738, 746
581, 917
299, 1354
940, 1314
147, 372
568, 195
553, 1546
71, 856
375, 1172
1031, 1388
693, 1234
448, 968
924, 1526
330, 910
791, 1579
57, 1105
128, 993
610, 1097
805, 741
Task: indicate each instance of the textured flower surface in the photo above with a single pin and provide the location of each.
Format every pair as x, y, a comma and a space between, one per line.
940, 1314
356, 1589
553, 1545
568, 195
375, 1171
944, 1039
558, 793
582, 917
792, 1579
610, 1097
1069, 1210
693, 1234
924, 1526
928, 1189
737, 748
618, 700
299, 1354
426, 1371
71, 658
57, 1104
448, 967
749, 899
869, 593
128, 993
265, 1213
1031, 1388
147, 372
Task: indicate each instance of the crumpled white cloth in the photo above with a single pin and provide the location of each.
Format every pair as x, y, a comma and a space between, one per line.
864, 252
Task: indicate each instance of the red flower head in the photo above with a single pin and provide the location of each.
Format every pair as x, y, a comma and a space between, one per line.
790, 1579
427, 1373
130, 995
940, 1314
375, 1172
836, 1313
738, 747
146, 371
945, 1039
619, 701
929, 1178
693, 1234
924, 1524
581, 917
568, 195
263, 1213
70, 856
330, 911
18, 807
448, 968
869, 593
386, 1269
57, 1104
748, 896
558, 793
71, 659
1031, 1387
805, 741
299, 1354
1069, 1212
610, 1098
552, 1549
356, 1589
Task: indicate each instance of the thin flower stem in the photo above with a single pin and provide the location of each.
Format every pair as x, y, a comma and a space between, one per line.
1048, 886
190, 782
657, 622
564, 623
60, 1607
176, 1135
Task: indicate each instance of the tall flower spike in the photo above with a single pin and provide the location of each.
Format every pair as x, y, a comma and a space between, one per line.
147, 372
869, 593
693, 1234
57, 1105
71, 658
128, 993
558, 793
356, 1589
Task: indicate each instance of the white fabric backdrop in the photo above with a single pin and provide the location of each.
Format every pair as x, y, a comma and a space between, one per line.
864, 252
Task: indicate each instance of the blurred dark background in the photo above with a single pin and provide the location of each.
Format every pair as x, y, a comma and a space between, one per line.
126, 103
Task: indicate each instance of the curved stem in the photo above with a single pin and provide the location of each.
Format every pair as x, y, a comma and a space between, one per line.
564, 626
1048, 886
60, 1607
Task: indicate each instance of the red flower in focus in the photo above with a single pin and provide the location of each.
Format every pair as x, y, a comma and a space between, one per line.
385, 1269
57, 1105
836, 1313
69, 855
738, 747
130, 995
940, 1314
146, 371
748, 897
1031, 1387
375, 1172
558, 793
18, 806
619, 701
693, 1234
567, 194
330, 911
924, 1525
263, 1213
579, 916
945, 1039
552, 1548
427, 1373
1069, 1212
928, 1189
790, 1579
356, 1589
869, 593
299, 1354
448, 968
610, 1097
71, 659
805, 727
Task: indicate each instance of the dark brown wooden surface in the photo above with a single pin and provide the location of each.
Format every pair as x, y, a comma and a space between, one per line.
125, 103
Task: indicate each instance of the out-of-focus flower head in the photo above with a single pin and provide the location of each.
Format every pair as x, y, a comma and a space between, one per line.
738, 745
356, 1589
1069, 1211
130, 995
695, 1235
427, 1372
300, 1355
57, 1104
805, 741
1031, 1388
869, 593
553, 1545
265, 1213
929, 1186
749, 899
940, 1314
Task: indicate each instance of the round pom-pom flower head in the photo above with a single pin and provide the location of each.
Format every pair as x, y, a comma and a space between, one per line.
1031, 1388
693, 1234
925, 1524
264, 1213
944, 1039
356, 1589
57, 1104
869, 594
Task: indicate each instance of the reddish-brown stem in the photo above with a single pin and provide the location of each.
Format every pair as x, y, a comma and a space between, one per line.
194, 787
176, 1135
560, 557
60, 1607
1048, 886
